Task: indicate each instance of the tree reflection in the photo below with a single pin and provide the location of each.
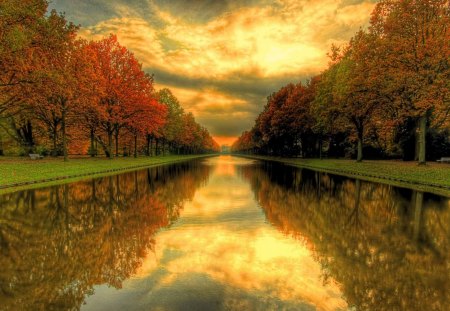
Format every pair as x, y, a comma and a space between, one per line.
57, 243
387, 247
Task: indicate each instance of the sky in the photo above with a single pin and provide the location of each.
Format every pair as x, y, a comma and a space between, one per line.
222, 58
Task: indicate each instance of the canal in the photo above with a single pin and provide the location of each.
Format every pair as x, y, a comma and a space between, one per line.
224, 233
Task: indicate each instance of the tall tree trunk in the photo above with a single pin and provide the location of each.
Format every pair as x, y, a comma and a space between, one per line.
110, 152
156, 146
416, 142
63, 128
135, 146
54, 138
151, 146
359, 156
29, 134
320, 147
93, 149
116, 137
422, 139
147, 149
24, 133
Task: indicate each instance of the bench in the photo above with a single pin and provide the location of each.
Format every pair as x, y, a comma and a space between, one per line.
443, 160
35, 156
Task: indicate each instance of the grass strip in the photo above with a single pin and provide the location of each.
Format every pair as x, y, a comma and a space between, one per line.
22, 172
433, 177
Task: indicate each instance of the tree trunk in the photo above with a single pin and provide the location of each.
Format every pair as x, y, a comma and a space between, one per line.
54, 138
116, 137
359, 156
135, 146
29, 135
416, 142
151, 146
92, 151
422, 139
320, 147
24, 134
156, 147
63, 128
110, 155
147, 149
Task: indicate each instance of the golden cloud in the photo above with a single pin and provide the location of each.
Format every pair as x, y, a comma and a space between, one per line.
270, 40
286, 38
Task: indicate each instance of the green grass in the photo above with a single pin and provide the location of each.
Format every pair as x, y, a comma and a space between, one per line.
22, 172
433, 177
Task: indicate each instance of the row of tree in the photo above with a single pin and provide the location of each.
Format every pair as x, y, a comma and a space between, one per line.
59, 92
386, 93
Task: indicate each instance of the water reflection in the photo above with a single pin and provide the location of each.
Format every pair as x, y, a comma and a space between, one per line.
387, 247
221, 254
224, 234
58, 242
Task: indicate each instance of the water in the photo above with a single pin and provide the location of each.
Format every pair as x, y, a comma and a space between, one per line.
224, 233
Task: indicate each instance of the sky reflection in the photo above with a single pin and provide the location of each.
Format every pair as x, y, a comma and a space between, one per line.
222, 254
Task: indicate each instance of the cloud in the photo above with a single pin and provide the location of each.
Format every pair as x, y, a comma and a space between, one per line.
228, 51
223, 114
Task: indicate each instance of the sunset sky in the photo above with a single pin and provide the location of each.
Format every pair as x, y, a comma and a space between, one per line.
222, 58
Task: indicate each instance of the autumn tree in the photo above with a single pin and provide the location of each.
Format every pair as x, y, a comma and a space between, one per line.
63, 81
149, 115
355, 90
414, 48
174, 123
125, 88
20, 48
27, 38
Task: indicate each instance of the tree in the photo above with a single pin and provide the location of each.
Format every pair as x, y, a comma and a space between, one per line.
174, 124
63, 79
22, 24
414, 49
149, 115
27, 39
126, 87
355, 90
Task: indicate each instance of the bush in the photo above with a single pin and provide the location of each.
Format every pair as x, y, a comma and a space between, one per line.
42, 150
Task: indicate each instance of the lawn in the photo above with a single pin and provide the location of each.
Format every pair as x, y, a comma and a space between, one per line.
433, 177
15, 171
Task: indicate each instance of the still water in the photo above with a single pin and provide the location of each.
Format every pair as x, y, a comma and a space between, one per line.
224, 233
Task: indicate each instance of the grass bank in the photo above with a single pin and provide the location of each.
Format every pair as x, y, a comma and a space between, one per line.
433, 177
21, 173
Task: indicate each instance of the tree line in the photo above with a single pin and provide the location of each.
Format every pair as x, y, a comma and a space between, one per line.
385, 94
61, 93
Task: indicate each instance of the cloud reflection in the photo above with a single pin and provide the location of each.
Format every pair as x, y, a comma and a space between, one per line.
222, 239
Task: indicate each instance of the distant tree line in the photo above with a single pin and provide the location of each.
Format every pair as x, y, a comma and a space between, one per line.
386, 94
60, 93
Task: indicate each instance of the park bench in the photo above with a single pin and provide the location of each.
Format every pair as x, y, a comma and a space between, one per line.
35, 156
443, 160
